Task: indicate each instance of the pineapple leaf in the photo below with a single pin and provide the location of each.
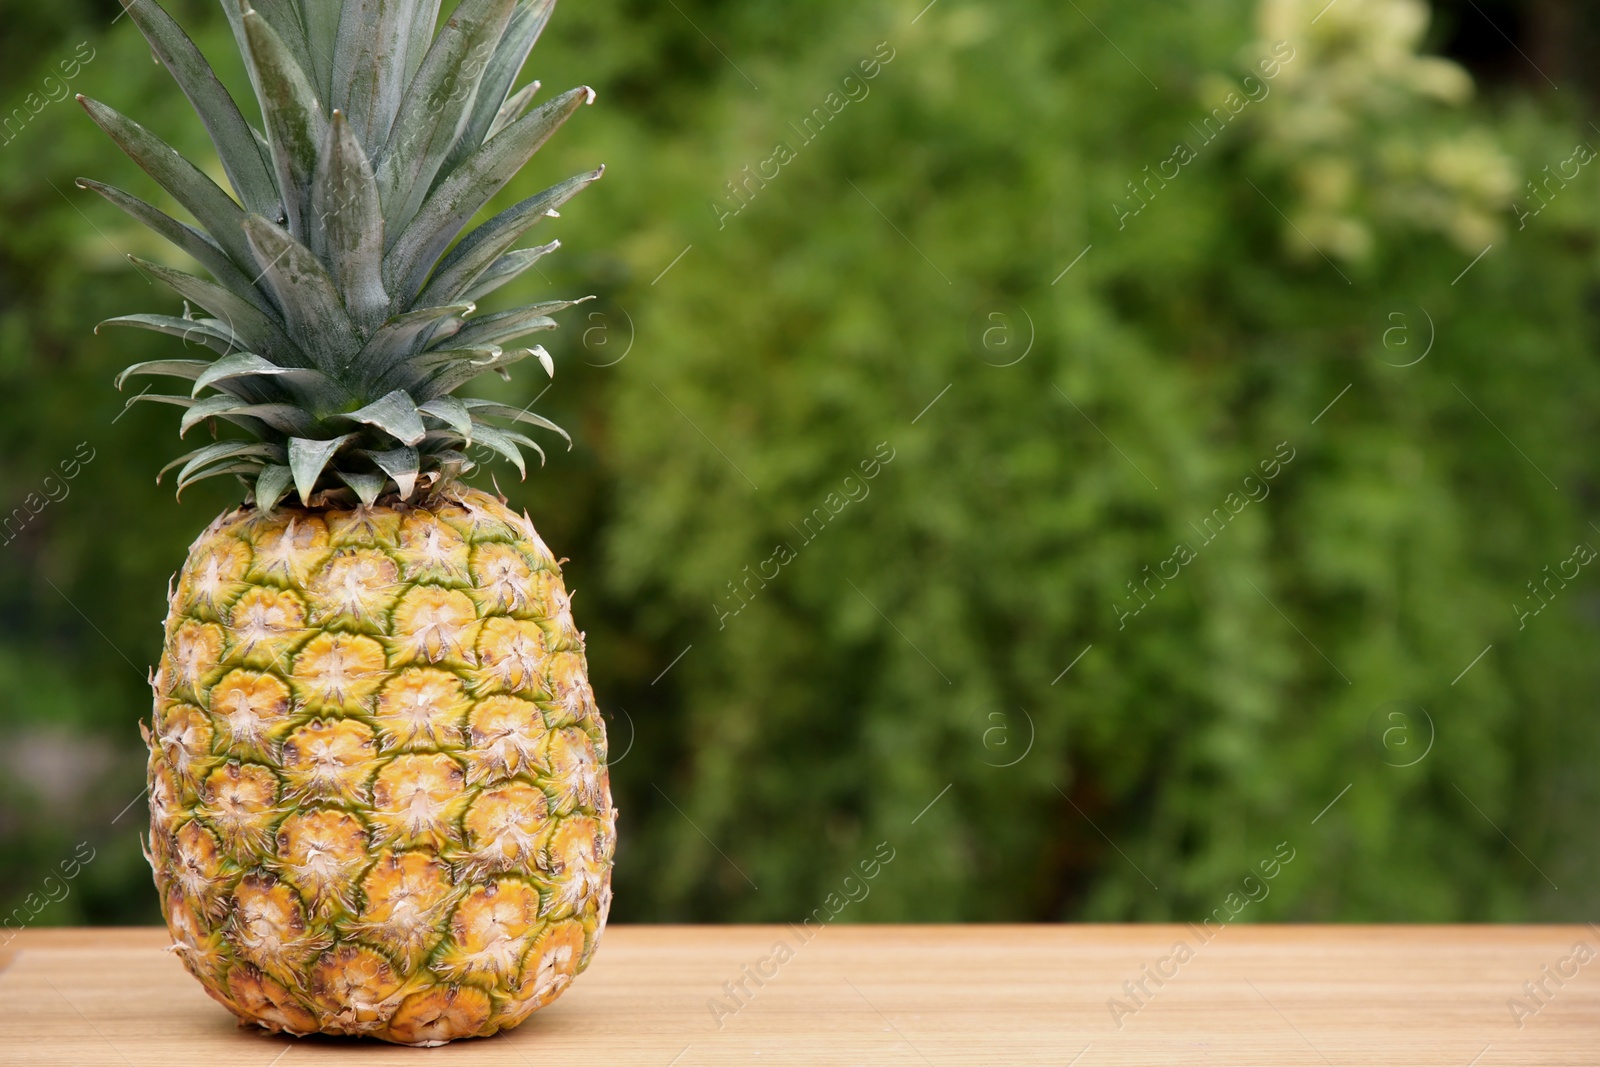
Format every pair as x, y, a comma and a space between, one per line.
369, 65
336, 281
368, 485
527, 22
478, 249
468, 188
284, 18
422, 23
235, 142
506, 411
314, 315
307, 458
512, 109
506, 269
431, 112
451, 411
284, 418
198, 245
484, 262
403, 334
508, 325
169, 368
402, 465
321, 20
212, 472
249, 424
526, 442
193, 461
296, 126
348, 233
508, 328
395, 414
211, 333
160, 398
245, 364
271, 484
200, 196
456, 374
416, 366
496, 440
260, 333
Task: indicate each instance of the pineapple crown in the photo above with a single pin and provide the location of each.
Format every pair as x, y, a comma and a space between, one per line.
341, 302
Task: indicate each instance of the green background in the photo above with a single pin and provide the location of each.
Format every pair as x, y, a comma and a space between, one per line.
1342, 669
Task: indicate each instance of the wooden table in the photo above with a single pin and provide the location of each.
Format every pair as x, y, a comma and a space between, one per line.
854, 995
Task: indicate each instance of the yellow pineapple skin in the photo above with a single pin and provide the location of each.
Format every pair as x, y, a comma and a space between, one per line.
379, 802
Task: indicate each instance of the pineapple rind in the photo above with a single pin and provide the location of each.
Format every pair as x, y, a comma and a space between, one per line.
386, 812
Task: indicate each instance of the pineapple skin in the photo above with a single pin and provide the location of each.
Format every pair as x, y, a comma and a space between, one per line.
379, 802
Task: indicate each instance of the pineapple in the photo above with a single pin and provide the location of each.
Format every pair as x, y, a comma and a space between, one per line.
378, 795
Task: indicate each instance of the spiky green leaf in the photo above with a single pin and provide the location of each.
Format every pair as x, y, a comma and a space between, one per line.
527, 22
296, 125
166, 368
402, 465
247, 364
160, 398
284, 418
199, 195
434, 106
307, 458
468, 188
271, 484
260, 333
453, 376
483, 356
284, 18
491, 409
348, 231
321, 20
421, 39
368, 485
314, 316
198, 245
525, 441
193, 461
247, 467
513, 108
369, 65
405, 334
492, 438
212, 333
508, 268
478, 249
509, 325
395, 414
246, 167
452, 412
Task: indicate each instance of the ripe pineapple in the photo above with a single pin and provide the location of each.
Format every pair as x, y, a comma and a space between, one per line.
378, 796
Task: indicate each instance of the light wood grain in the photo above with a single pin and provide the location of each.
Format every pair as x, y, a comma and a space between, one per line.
986, 995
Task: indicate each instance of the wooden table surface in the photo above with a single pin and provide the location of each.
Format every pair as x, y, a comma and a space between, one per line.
863, 995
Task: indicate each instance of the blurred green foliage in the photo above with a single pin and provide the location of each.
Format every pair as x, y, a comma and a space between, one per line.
899, 288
